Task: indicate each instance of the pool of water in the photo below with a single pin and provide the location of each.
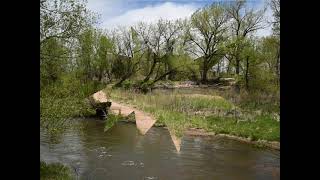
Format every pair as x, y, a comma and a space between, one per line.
122, 153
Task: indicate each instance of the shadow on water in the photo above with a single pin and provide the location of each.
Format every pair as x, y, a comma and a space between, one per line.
122, 153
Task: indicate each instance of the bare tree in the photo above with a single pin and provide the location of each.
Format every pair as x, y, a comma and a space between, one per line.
159, 40
275, 7
129, 54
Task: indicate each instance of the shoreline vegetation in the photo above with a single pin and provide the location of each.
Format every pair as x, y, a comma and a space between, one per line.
200, 114
55, 171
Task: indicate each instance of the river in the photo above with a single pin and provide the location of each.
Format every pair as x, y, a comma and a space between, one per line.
122, 153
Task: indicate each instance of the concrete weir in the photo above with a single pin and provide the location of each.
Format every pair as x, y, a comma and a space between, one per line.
176, 141
144, 121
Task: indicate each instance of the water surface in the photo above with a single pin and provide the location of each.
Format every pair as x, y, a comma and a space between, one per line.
122, 153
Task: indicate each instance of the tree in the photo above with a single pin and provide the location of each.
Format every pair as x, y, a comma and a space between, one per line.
171, 36
159, 40
244, 21
130, 53
63, 19
270, 55
275, 6
86, 52
53, 61
104, 56
61, 22
205, 34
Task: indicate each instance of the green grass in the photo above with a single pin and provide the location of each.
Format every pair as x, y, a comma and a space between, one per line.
178, 112
263, 128
111, 121
55, 171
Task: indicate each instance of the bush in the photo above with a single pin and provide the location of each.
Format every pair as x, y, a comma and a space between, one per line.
127, 84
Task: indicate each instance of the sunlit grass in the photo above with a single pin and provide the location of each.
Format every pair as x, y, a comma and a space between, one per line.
178, 112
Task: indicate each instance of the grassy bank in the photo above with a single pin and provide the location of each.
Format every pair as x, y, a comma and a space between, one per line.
213, 113
55, 171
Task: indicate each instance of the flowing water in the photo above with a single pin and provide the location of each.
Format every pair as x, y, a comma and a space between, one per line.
122, 153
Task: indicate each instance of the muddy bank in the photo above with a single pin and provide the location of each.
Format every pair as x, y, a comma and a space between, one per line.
201, 132
221, 83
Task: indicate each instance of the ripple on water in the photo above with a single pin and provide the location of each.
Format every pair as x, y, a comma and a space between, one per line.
150, 177
127, 163
132, 163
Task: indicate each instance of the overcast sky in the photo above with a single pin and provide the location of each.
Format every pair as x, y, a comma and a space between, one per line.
128, 12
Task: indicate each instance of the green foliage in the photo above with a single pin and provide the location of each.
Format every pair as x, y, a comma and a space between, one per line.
52, 62
55, 171
127, 84
111, 121
63, 19
63, 100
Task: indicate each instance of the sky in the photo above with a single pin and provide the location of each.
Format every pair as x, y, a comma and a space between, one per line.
114, 13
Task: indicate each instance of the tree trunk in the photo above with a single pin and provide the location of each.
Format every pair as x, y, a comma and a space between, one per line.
204, 72
166, 70
278, 66
218, 70
151, 70
237, 66
228, 68
247, 73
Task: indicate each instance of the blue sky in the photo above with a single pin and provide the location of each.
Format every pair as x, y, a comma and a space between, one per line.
116, 13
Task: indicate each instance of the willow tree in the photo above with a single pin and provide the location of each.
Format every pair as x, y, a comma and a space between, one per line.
205, 34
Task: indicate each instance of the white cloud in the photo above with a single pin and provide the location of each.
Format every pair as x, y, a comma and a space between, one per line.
168, 10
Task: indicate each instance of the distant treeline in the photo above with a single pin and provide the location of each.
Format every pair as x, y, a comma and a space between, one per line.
218, 40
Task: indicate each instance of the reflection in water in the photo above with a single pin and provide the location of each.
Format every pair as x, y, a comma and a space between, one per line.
122, 153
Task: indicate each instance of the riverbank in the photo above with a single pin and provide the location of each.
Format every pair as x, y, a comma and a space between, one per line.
198, 114
201, 132
260, 143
